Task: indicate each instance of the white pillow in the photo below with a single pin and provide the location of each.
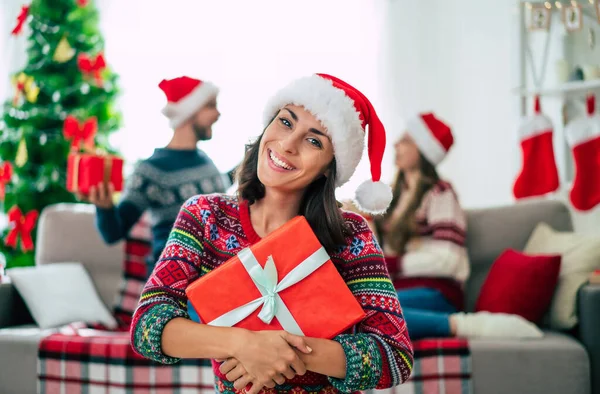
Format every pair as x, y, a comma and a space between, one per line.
580, 256
60, 293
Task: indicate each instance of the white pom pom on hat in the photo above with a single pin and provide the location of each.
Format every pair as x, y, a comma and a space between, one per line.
346, 113
374, 197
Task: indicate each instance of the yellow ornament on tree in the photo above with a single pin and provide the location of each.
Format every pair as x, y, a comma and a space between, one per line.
64, 52
22, 156
25, 86
31, 90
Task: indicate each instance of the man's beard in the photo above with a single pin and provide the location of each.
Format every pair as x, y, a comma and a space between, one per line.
202, 133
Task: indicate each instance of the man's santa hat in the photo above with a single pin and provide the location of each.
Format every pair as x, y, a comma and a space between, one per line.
345, 112
185, 96
432, 136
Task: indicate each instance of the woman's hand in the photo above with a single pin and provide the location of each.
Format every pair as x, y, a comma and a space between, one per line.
235, 372
267, 358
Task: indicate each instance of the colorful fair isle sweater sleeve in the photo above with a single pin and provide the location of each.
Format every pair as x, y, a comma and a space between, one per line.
114, 223
440, 251
163, 297
379, 355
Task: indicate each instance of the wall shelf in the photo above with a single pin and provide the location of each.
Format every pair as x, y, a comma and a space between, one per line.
566, 89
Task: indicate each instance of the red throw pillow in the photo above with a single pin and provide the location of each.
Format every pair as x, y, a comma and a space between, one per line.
520, 284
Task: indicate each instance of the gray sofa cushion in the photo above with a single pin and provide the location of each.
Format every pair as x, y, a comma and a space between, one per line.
555, 364
490, 231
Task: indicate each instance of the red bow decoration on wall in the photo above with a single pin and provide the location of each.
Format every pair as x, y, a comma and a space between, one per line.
92, 66
80, 132
21, 226
5, 177
21, 20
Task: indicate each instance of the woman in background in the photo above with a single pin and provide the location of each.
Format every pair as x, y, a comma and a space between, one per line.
423, 236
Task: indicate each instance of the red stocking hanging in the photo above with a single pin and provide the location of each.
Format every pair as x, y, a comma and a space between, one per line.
538, 174
583, 136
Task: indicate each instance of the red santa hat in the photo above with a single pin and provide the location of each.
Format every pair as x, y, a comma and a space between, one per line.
185, 96
345, 112
432, 136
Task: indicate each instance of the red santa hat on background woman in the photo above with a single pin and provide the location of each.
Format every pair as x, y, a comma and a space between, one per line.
432, 136
345, 112
185, 97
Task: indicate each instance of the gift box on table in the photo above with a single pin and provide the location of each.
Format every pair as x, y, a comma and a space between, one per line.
85, 170
286, 281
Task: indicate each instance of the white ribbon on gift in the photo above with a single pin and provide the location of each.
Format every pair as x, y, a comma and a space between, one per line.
266, 282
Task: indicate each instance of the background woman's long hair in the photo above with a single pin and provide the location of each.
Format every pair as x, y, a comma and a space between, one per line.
318, 206
401, 229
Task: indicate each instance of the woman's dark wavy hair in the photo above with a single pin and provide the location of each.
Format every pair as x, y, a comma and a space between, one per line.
318, 206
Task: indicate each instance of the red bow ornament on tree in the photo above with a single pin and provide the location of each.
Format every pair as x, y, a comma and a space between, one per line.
21, 20
21, 226
5, 177
92, 66
80, 133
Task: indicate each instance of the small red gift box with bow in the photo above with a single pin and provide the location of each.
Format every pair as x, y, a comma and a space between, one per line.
86, 169
286, 281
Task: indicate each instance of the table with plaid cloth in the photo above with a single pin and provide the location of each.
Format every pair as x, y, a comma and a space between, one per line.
80, 358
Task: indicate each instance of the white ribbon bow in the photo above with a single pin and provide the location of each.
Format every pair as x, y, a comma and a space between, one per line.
266, 282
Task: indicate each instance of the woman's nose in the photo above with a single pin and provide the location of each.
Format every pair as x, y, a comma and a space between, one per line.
289, 143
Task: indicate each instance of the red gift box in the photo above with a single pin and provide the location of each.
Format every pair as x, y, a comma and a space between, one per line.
85, 170
286, 281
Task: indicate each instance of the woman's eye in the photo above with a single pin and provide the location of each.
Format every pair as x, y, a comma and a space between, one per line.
315, 142
285, 122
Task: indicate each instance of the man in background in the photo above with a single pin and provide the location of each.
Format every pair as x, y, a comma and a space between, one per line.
164, 181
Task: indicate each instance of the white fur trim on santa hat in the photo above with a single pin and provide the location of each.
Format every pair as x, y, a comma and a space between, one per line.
429, 146
373, 197
334, 110
182, 110
582, 130
535, 125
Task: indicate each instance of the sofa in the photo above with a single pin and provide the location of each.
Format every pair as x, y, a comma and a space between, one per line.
558, 363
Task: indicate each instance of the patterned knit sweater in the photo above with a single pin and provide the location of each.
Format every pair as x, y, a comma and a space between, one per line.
211, 229
160, 185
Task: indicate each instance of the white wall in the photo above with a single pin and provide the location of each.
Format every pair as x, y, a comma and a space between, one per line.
459, 59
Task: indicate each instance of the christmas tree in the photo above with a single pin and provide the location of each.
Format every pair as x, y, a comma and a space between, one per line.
65, 94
